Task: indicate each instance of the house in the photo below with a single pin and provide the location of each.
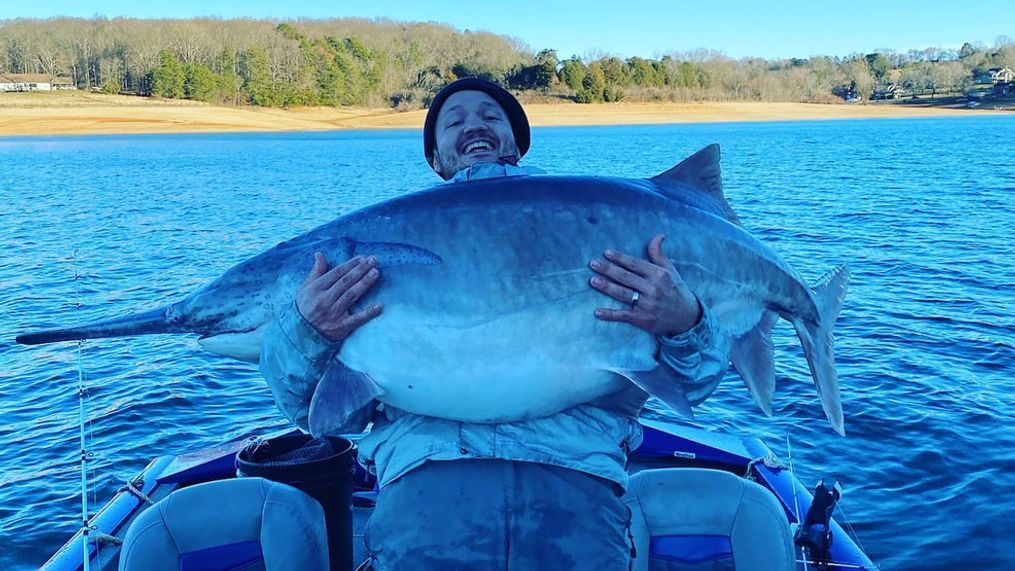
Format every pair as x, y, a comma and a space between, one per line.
888, 91
32, 82
998, 75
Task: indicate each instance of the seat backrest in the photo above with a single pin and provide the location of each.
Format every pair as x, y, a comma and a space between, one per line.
238, 524
694, 519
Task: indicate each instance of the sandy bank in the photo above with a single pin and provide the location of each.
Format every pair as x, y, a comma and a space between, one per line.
76, 113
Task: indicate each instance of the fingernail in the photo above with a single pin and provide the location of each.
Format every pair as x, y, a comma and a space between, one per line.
599, 313
594, 264
610, 252
597, 281
372, 261
372, 273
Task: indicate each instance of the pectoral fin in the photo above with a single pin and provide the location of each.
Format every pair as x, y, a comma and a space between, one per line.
752, 357
341, 392
658, 383
391, 254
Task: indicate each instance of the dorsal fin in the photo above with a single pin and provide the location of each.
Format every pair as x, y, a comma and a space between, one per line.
701, 172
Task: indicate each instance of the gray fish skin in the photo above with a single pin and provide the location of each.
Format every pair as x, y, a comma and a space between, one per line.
488, 312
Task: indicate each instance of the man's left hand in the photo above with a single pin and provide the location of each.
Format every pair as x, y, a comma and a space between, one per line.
661, 302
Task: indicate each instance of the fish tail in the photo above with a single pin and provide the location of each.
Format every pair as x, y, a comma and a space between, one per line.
147, 322
818, 342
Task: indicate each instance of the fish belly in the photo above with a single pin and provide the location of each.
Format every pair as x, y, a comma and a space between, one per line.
519, 365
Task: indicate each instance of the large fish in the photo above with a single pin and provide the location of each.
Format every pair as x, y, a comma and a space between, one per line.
488, 312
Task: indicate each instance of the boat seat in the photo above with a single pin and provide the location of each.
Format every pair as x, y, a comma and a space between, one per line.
694, 519
242, 524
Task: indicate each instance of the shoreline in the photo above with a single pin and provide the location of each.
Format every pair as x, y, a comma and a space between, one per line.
75, 113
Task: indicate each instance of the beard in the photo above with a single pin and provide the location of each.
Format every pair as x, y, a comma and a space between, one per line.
448, 166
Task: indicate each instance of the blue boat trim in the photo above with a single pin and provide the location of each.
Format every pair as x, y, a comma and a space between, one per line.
665, 441
111, 517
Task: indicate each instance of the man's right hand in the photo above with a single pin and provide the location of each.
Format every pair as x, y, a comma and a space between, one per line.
327, 295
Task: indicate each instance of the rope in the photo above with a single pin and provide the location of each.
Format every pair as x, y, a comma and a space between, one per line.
134, 488
105, 538
769, 460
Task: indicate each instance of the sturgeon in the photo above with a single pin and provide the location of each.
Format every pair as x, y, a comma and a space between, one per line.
488, 312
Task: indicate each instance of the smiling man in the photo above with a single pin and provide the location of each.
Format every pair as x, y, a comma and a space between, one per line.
471, 123
543, 493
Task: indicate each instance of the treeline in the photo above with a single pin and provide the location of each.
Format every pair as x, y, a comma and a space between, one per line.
709, 75
258, 62
387, 63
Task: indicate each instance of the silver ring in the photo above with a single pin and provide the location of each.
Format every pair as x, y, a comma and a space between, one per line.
634, 298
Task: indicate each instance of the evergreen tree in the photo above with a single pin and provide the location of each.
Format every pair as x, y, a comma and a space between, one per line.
878, 65
168, 77
200, 82
229, 82
257, 82
572, 72
593, 85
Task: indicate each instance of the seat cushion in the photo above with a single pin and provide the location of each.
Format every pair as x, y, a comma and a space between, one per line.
243, 524
692, 519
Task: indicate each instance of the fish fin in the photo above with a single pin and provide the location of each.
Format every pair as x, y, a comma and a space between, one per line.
817, 341
245, 346
752, 357
701, 171
340, 393
658, 383
391, 254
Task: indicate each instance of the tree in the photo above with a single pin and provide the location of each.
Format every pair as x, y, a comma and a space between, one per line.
473, 69
643, 73
861, 82
169, 76
878, 65
257, 82
200, 83
572, 72
229, 82
947, 75
593, 85
612, 93
545, 73
614, 70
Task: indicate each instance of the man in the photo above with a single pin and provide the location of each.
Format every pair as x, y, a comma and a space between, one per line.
535, 494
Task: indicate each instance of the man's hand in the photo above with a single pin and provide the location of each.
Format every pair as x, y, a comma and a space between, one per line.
661, 302
326, 296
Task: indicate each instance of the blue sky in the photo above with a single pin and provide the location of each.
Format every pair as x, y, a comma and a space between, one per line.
739, 28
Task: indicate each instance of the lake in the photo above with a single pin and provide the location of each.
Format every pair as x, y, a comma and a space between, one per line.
925, 344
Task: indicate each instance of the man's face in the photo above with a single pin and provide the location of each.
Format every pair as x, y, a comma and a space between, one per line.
471, 128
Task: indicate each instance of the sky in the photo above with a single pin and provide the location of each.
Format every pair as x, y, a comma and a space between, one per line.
625, 28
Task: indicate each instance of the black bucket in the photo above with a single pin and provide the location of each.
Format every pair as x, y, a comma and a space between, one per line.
322, 468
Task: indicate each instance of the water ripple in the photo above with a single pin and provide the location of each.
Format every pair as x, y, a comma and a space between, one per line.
98, 226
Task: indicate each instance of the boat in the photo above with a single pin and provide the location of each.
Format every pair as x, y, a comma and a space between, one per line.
819, 539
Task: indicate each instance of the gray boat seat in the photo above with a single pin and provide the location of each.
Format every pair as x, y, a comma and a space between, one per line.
694, 519
243, 524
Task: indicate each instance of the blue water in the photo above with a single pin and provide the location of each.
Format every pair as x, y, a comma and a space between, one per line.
922, 210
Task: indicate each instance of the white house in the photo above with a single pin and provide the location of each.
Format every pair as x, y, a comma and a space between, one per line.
998, 75
32, 82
